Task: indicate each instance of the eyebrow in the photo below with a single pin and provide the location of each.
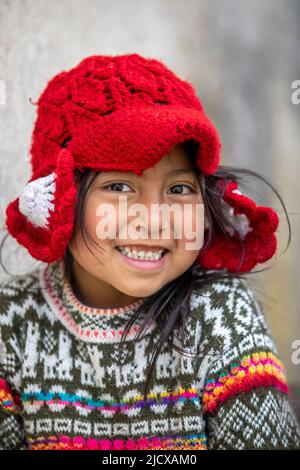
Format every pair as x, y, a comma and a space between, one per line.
176, 171
181, 171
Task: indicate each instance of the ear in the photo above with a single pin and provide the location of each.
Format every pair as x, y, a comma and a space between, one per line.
42, 217
249, 241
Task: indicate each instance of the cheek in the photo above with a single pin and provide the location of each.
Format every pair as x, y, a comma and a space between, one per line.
101, 220
192, 220
91, 219
191, 241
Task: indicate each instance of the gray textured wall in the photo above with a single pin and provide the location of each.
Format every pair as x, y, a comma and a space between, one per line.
241, 55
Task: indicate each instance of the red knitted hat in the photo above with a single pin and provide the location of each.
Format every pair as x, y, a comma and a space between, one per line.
123, 113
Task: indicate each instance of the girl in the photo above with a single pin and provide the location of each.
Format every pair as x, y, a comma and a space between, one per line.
136, 342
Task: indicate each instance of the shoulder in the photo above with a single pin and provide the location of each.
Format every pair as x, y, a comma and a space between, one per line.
20, 298
19, 283
236, 350
231, 315
231, 299
22, 302
14, 292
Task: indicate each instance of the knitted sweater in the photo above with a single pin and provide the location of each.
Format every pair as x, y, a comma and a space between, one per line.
65, 383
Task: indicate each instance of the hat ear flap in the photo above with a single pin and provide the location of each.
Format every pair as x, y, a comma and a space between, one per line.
248, 237
42, 217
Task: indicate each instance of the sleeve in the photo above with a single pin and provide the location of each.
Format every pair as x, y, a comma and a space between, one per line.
245, 396
11, 409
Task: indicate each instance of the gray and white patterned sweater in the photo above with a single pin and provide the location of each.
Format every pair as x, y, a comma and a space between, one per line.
65, 383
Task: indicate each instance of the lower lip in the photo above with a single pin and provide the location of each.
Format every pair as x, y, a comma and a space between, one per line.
144, 264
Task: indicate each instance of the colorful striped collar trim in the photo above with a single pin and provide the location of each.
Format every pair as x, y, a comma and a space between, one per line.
71, 297
92, 325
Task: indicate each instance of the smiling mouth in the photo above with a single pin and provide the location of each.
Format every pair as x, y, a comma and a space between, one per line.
144, 254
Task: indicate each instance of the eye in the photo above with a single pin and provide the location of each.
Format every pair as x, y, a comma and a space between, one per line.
183, 186
117, 185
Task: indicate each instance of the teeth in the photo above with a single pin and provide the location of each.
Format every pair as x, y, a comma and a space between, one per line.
146, 255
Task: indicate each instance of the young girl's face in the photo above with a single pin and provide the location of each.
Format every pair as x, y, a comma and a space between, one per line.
114, 279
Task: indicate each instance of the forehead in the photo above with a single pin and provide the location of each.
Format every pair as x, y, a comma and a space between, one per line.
176, 162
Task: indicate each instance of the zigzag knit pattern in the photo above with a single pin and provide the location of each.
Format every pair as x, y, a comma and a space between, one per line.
66, 385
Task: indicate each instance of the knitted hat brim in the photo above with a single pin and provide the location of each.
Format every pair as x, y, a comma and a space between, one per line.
136, 139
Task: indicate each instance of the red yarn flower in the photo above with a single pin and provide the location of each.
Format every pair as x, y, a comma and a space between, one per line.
251, 240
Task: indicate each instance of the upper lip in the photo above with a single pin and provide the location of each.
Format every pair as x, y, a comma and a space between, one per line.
145, 247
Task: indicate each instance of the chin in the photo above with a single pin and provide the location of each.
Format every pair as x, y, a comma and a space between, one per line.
139, 291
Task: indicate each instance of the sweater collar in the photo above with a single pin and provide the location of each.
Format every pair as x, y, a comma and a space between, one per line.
91, 325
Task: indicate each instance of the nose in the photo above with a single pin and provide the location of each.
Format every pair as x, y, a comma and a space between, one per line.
150, 220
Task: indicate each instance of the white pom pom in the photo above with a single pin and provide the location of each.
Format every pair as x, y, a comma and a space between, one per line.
237, 191
240, 222
35, 201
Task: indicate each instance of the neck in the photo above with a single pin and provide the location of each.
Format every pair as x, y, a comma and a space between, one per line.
94, 292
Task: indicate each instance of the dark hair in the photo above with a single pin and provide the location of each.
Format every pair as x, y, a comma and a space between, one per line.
170, 306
